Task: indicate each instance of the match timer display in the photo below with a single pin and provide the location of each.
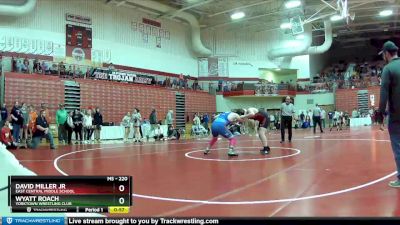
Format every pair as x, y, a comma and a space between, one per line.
90, 194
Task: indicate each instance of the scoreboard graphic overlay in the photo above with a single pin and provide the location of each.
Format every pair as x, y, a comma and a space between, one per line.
87, 194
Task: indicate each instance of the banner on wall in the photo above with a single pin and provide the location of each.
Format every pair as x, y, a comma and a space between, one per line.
3, 43
213, 67
78, 44
129, 77
266, 89
59, 52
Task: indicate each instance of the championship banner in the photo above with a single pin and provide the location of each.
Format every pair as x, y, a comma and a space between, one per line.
112, 75
266, 89
78, 45
78, 55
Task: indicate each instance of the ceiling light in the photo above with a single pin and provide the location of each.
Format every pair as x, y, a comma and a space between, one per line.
237, 15
388, 12
278, 69
336, 18
292, 4
286, 26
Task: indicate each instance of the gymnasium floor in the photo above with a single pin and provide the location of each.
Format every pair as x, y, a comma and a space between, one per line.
341, 173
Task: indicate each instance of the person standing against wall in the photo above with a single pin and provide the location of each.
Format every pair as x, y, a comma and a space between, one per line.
4, 115
97, 123
153, 119
169, 118
390, 93
61, 119
137, 121
287, 111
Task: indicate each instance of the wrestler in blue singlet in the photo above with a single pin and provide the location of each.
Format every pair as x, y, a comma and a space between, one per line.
219, 126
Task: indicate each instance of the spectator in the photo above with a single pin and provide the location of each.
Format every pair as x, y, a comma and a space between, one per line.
25, 115
173, 134
13, 64
169, 118
25, 66
61, 121
36, 66
4, 114
196, 120
46, 68
206, 120
158, 133
153, 119
19, 66
16, 121
70, 127
54, 69
88, 125
272, 121
43, 106
6, 136
42, 130
70, 71
137, 119
32, 121
61, 69
126, 123
77, 118
146, 129
111, 67
98, 123
355, 113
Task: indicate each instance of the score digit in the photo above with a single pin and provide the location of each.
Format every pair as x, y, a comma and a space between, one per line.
121, 201
122, 178
121, 188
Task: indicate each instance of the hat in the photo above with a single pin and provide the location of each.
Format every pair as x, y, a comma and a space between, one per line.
389, 46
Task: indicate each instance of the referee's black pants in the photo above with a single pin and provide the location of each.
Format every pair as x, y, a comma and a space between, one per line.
286, 122
317, 120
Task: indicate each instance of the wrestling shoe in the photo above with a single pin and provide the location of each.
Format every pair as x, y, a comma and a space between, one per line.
395, 184
265, 150
206, 151
232, 152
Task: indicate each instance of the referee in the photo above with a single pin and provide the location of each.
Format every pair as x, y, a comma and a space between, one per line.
287, 110
317, 112
390, 92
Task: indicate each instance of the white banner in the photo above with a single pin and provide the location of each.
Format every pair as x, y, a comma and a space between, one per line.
32, 46
25, 45
17, 44
9, 43
49, 48
3, 43
223, 67
40, 47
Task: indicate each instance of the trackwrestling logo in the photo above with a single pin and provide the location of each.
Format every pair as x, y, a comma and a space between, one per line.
33, 220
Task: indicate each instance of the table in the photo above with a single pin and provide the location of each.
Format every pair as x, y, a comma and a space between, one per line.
356, 122
117, 132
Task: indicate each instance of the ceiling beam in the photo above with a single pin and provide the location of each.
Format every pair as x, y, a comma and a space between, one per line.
172, 14
241, 7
